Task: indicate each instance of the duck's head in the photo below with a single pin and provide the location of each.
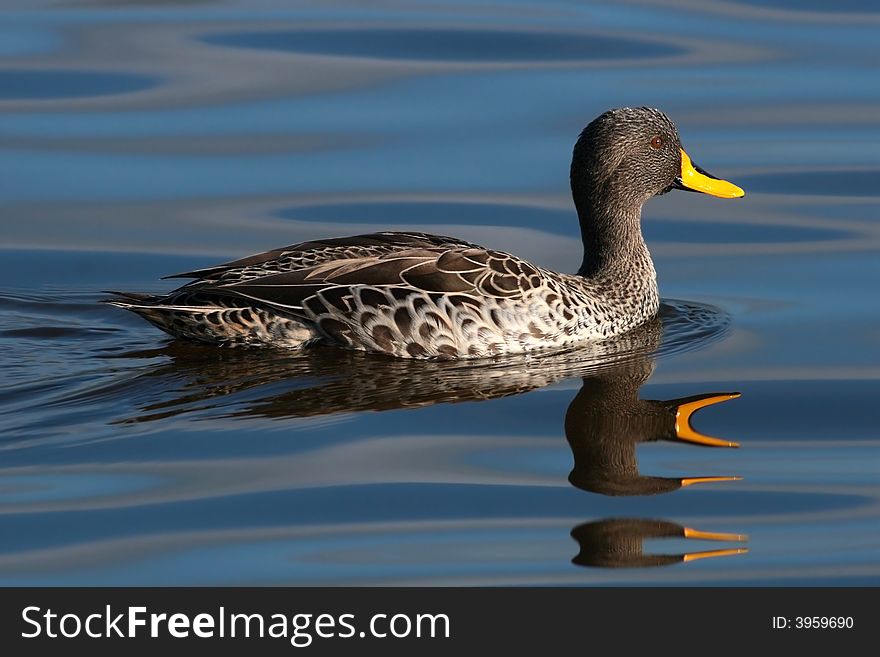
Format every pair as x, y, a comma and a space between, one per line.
627, 155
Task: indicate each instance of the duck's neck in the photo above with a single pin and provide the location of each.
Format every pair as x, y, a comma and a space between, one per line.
614, 249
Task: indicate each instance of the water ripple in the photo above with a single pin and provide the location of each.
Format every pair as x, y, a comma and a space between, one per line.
44, 84
853, 182
449, 45
823, 6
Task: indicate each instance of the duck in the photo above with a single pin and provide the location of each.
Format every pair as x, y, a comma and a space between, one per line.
421, 296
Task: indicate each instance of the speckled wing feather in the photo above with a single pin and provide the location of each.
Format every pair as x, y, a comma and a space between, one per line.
308, 254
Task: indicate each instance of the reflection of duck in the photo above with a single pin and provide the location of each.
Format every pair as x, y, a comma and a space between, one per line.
606, 420
603, 424
326, 381
618, 543
415, 295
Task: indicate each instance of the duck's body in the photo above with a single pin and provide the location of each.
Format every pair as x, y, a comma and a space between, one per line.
415, 295
406, 294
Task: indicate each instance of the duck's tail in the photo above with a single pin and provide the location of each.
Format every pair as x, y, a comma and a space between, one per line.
181, 321
215, 323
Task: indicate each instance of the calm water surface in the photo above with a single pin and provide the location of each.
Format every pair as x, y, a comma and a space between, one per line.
138, 139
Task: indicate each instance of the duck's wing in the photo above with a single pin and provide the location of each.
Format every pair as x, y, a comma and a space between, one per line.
306, 255
420, 301
347, 283
410, 294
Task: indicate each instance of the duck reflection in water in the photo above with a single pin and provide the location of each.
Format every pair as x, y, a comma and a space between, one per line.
604, 422
618, 543
603, 425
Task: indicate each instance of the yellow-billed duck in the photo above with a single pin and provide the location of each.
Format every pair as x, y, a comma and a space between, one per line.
415, 295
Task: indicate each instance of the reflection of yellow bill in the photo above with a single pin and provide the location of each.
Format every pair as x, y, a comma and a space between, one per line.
694, 178
713, 536
693, 556
690, 481
685, 432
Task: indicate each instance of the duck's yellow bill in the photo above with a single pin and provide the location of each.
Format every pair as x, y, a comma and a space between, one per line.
695, 179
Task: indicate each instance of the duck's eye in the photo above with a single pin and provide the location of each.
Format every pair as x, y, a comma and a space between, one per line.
657, 142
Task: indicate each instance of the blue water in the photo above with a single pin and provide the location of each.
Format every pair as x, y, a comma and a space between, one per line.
140, 139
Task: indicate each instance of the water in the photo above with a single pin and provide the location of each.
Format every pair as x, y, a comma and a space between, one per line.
138, 139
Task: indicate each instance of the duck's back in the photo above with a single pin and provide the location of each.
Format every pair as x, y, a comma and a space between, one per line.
316, 252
